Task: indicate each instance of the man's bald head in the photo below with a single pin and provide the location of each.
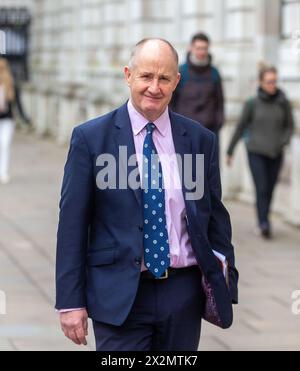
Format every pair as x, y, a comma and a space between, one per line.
152, 76
153, 45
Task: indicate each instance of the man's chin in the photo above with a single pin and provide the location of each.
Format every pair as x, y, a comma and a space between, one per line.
154, 109
153, 105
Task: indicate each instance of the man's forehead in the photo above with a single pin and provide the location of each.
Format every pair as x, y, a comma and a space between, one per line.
154, 66
155, 55
154, 69
155, 47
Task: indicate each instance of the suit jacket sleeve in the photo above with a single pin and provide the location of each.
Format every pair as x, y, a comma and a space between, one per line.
74, 222
219, 230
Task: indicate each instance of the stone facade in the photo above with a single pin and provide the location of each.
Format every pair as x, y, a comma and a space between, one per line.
17, 3
79, 47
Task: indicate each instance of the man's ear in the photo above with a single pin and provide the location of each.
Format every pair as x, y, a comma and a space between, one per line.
127, 74
177, 80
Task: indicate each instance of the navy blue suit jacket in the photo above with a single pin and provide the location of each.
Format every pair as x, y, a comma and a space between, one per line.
100, 233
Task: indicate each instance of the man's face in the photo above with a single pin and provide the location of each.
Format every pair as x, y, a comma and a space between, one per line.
200, 49
152, 80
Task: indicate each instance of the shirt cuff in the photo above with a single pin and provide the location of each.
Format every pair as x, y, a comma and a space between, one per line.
68, 310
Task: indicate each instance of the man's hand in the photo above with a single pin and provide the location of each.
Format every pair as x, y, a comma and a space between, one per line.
75, 325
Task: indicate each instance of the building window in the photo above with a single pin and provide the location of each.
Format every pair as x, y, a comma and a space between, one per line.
14, 27
290, 18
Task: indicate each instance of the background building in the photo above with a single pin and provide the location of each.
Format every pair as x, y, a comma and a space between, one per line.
78, 49
14, 36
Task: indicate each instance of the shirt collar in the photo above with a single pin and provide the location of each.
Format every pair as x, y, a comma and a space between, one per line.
138, 121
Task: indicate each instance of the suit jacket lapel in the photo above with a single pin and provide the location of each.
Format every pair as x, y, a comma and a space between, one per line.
124, 137
183, 146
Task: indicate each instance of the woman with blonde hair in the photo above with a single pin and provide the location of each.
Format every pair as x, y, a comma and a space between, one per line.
9, 98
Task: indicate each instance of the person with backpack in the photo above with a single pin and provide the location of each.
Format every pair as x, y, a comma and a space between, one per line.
267, 125
199, 95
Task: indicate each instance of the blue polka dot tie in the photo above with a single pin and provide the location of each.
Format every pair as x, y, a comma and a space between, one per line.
156, 243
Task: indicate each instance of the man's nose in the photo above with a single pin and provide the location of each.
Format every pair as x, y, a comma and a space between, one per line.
154, 87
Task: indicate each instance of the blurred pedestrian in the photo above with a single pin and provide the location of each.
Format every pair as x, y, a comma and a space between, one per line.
9, 100
199, 95
267, 125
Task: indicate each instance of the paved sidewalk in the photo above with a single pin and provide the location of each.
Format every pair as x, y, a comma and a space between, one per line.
270, 271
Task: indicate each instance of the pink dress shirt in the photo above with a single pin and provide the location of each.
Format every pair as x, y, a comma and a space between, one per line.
181, 251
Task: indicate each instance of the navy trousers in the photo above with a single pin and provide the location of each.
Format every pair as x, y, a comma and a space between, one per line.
166, 316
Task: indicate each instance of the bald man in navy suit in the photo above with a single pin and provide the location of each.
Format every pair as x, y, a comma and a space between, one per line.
133, 258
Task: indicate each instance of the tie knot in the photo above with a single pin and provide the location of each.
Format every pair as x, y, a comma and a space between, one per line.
150, 128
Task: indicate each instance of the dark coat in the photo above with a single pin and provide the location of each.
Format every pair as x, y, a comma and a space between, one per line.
266, 123
199, 95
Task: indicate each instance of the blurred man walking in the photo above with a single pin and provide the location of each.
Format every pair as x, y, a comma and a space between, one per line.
199, 94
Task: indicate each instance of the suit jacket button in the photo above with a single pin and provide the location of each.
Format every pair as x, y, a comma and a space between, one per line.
141, 228
138, 261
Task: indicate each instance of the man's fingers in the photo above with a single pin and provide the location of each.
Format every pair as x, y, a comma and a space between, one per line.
85, 325
77, 336
75, 325
72, 336
80, 334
